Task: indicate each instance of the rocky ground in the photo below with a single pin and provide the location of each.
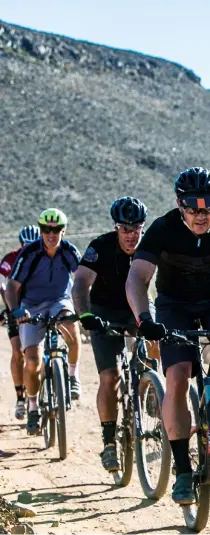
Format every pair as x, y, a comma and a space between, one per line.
75, 495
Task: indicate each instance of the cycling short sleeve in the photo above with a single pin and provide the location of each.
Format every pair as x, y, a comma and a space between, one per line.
91, 257
152, 243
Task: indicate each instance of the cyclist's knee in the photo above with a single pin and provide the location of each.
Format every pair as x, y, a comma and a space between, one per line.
177, 379
109, 379
71, 334
32, 359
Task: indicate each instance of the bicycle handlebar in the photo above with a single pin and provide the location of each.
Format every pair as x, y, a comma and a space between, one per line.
177, 336
182, 336
50, 320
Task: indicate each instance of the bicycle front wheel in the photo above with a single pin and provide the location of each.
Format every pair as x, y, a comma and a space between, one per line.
47, 418
60, 406
196, 515
124, 438
153, 452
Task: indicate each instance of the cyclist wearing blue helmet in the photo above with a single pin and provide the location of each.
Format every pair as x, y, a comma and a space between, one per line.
27, 235
99, 292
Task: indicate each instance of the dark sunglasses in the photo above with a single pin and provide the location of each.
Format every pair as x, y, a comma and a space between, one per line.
195, 211
46, 229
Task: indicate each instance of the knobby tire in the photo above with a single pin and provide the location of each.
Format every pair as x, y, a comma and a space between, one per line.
196, 515
125, 444
47, 422
156, 491
60, 405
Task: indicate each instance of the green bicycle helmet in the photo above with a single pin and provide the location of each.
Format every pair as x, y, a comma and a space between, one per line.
52, 215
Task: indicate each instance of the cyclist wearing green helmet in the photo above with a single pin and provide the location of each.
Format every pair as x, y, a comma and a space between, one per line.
52, 216
42, 275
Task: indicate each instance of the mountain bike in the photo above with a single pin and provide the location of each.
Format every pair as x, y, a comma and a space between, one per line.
55, 391
139, 422
196, 515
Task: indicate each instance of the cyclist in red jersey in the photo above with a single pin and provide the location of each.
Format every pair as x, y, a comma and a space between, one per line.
27, 235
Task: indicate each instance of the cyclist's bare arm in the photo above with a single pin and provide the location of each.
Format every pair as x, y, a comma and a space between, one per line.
84, 279
12, 293
139, 276
3, 287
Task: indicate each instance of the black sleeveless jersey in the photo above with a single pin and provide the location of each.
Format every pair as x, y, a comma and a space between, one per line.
182, 259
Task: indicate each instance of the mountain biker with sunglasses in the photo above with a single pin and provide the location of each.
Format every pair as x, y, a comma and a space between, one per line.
27, 234
41, 275
178, 243
99, 292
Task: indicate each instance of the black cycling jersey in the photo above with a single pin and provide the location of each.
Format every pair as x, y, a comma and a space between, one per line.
111, 263
182, 258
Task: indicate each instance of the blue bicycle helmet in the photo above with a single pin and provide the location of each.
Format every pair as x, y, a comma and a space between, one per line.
29, 234
128, 210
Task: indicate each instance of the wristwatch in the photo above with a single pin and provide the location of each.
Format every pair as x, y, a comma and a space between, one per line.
145, 316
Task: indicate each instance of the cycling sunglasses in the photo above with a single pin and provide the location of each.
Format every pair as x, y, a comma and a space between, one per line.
195, 211
128, 229
46, 229
194, 205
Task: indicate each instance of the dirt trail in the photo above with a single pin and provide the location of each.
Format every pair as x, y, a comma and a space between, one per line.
77, 492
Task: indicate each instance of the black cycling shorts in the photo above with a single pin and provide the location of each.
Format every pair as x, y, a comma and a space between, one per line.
12, 327
180, 315
108, 349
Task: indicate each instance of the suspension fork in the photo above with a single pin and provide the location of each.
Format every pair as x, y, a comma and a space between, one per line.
66, 379
48, 378
135, 380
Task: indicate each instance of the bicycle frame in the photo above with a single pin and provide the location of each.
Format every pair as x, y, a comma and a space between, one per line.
52, 350
137, 366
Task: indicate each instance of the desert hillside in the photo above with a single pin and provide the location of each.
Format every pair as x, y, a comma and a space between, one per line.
82, 124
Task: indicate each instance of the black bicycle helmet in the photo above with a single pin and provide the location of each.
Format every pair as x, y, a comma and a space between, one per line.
128, 210
29, 234
195, 180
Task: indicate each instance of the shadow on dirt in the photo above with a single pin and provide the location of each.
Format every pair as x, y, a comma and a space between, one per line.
6, 454
167, 529
12, 427
80, 493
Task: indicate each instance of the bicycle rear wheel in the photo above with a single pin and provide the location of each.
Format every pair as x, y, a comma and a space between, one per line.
47, 419
124, 438
196, 515
60, 406
153, 452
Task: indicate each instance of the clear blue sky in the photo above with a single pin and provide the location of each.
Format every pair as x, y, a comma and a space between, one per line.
178, 30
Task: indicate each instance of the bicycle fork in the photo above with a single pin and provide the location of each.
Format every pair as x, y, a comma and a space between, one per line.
135, 396
49, 379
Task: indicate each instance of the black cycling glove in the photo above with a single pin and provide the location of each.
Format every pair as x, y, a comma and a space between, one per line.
90, 322
151, 330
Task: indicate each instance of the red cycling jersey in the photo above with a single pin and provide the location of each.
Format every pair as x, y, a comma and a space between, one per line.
8, 261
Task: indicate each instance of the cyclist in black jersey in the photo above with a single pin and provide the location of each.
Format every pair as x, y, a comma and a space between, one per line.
99, 288
179, 245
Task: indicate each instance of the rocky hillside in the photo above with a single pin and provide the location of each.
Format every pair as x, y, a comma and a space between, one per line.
82, 124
